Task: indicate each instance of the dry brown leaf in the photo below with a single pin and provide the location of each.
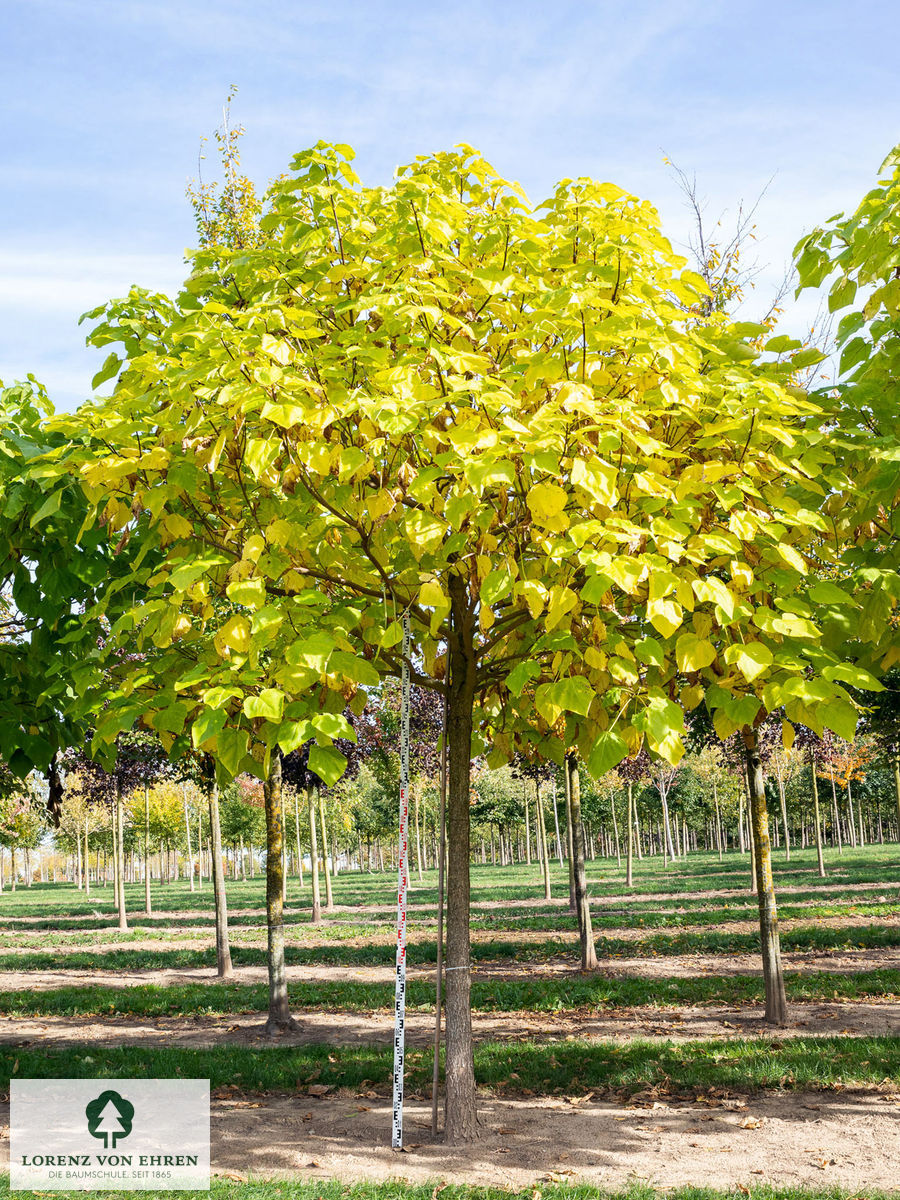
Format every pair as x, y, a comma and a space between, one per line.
319, 1089
751, 1123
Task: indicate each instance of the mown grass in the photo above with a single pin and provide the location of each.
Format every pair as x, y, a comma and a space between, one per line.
699, 873
535, 993
812, 938
537, 1068
274, 1189
336, 927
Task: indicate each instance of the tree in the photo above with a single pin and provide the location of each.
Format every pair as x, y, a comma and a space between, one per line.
433, 399
54, 560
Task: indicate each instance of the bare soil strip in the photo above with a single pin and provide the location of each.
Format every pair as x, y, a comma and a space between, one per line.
851, 1019
807, 1139
315, 936
659, 967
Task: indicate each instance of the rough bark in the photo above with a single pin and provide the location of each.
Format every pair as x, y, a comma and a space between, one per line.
461, 1119
223, 948
280, 1019
585, 931
776, 1002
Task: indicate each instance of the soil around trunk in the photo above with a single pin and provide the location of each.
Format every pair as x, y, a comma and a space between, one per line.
669, 966
810, 1139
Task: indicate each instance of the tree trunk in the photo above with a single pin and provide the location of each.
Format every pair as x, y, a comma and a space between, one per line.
527, 823
148, 907
314, 858
836, 816
297, 838
542, 835
718, 819
280, 1019
776, 1002
418, 833
461, 1120
329, 895
784, 813
668, 845
223, 949
87, 864
569, 845
612, 805
187, 831
819, 856
585, 932
559, 845
897, 789
120, 864
199, 850
629, 861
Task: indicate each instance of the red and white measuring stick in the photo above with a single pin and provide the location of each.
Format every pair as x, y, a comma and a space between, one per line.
402, 885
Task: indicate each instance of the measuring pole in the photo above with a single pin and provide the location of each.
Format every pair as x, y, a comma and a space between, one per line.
438, 977
402, 884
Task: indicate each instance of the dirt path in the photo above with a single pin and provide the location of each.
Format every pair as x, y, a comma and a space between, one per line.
661, 967
242, 937
806, 1139
347, 1029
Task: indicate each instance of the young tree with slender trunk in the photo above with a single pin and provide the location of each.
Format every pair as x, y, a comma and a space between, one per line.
582, 900
279, 1019
223, 946
776, 1001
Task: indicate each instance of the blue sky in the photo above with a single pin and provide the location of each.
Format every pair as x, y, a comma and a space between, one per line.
106, 102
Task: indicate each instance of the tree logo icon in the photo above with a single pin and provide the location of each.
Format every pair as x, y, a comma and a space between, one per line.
109, 1117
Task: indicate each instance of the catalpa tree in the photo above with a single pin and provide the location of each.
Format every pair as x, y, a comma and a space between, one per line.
514, 425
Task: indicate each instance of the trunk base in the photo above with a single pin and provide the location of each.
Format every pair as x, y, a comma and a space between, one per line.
279, 1026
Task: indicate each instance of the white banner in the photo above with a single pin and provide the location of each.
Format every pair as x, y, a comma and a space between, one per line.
103, 1134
